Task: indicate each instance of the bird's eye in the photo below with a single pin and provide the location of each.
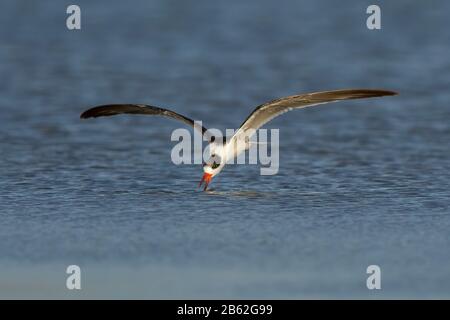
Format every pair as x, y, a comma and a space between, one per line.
215, 165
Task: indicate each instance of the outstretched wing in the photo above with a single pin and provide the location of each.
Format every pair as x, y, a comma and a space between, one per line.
267, 111
114, 109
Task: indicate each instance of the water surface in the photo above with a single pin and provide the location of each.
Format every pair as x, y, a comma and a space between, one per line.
360, 183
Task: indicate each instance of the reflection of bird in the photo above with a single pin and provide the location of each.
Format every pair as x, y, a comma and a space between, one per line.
220, 151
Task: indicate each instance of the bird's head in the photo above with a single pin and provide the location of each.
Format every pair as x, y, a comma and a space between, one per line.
210, 169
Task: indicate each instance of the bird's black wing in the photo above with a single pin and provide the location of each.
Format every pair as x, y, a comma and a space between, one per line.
267, 111
114, 109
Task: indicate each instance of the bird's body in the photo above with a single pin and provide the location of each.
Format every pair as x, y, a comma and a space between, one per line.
225, 150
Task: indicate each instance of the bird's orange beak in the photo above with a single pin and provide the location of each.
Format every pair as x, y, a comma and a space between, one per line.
207, 179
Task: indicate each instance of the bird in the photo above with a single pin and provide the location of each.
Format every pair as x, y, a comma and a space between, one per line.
227, 149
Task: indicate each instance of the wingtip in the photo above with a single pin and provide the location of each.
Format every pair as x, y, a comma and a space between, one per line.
373, 93
90, 113
84, 115
391, 93
380, 92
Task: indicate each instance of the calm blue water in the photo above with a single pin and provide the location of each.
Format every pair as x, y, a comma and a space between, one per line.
360, 183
